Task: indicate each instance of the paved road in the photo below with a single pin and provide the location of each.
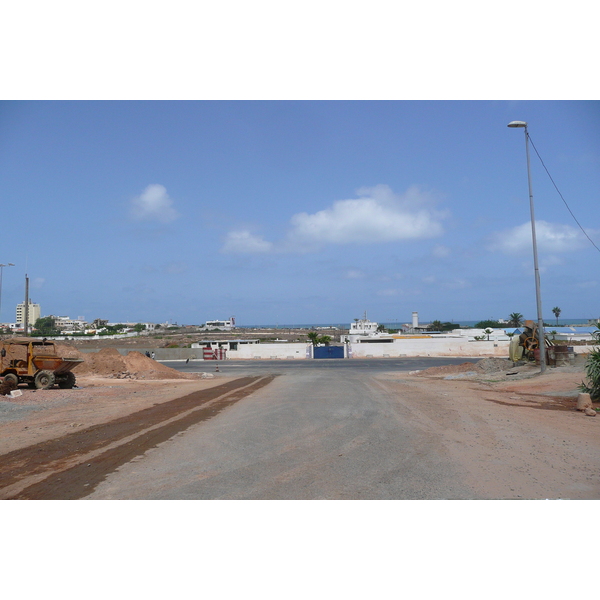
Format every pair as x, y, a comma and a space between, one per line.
372, 365
321, 430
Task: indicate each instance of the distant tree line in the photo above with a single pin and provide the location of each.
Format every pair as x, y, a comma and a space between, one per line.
46, 326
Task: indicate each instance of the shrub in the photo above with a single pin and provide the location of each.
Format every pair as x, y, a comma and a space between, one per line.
592, 371
487, 324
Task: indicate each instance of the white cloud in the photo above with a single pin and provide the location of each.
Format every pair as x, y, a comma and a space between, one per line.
550, 237
153, 204
440, 251
457, 284
587, 284
174, 268
379, 215
244, 242
354, 274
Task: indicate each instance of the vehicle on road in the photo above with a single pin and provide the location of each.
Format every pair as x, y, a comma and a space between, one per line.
37, 363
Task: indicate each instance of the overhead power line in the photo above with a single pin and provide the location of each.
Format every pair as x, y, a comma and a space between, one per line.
561, 196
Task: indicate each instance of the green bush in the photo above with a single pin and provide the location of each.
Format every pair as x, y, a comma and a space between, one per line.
487, 324
592, 371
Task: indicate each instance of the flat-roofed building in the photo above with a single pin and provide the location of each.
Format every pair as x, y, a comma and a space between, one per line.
33, 313
223, 325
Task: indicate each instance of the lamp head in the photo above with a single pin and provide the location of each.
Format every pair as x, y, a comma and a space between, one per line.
517, 124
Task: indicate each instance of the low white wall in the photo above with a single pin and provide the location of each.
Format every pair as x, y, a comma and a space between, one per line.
403, 347
276, 351
431, 347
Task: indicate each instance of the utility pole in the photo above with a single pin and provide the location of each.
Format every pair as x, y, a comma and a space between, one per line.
26, 310
538, 293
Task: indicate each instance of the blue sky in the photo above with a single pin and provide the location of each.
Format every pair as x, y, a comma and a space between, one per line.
298, 211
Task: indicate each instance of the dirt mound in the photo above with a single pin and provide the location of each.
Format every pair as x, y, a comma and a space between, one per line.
68, 351
6, 387
493, 365
108, 362
485, 365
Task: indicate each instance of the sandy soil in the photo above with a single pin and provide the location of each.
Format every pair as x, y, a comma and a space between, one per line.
108, 386
516, 433
505, 409
40, 415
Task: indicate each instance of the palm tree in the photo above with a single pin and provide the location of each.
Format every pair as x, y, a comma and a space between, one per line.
325, 340
313, 336
556, 312
515, 319
435, 325
316, 339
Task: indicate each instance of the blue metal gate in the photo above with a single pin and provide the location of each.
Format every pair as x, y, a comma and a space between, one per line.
328, 352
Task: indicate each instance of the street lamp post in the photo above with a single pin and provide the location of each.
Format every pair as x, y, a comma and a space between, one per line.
538, 294
1, 272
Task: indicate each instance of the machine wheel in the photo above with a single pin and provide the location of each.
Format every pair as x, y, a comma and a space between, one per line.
68, 382
12, 378
531, 343
44, 380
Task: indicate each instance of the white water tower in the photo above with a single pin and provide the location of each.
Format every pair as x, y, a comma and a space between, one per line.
415, 322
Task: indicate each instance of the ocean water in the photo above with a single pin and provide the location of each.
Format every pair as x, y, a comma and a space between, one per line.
398, 324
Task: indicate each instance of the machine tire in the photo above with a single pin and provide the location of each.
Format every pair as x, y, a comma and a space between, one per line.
68, 382
44, 380
12, 378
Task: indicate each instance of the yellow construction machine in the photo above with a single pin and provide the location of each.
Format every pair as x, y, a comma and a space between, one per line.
35, 362
525, 345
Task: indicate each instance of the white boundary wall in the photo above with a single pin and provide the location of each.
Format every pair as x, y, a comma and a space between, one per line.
281, 351
404, 347
400, 347
431, 347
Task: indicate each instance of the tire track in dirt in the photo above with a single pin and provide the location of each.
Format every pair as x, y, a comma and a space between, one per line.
56, 457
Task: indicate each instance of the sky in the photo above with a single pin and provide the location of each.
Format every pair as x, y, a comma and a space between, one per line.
280, 212
252, 160
299, 163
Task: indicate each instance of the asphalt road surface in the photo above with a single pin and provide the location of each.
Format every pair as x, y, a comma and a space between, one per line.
322, 429
370, 365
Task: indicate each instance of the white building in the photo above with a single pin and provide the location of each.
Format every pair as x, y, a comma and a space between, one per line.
363, 326
414, 327
225, 344
66, 324
224, 325
33, 313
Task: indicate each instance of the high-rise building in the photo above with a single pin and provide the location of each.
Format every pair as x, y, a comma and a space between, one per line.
33, 315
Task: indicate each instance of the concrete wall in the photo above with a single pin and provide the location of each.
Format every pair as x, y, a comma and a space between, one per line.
404, 347
278, 351
431, 347
246, 351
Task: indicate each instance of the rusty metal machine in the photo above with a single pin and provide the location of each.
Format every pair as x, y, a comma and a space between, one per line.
527, 343
35, 362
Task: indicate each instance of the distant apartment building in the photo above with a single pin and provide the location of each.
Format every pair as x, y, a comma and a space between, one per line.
66, 324
224, 325
33, 313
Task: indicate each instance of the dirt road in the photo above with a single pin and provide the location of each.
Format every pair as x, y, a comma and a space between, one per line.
67, 467
304, 435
